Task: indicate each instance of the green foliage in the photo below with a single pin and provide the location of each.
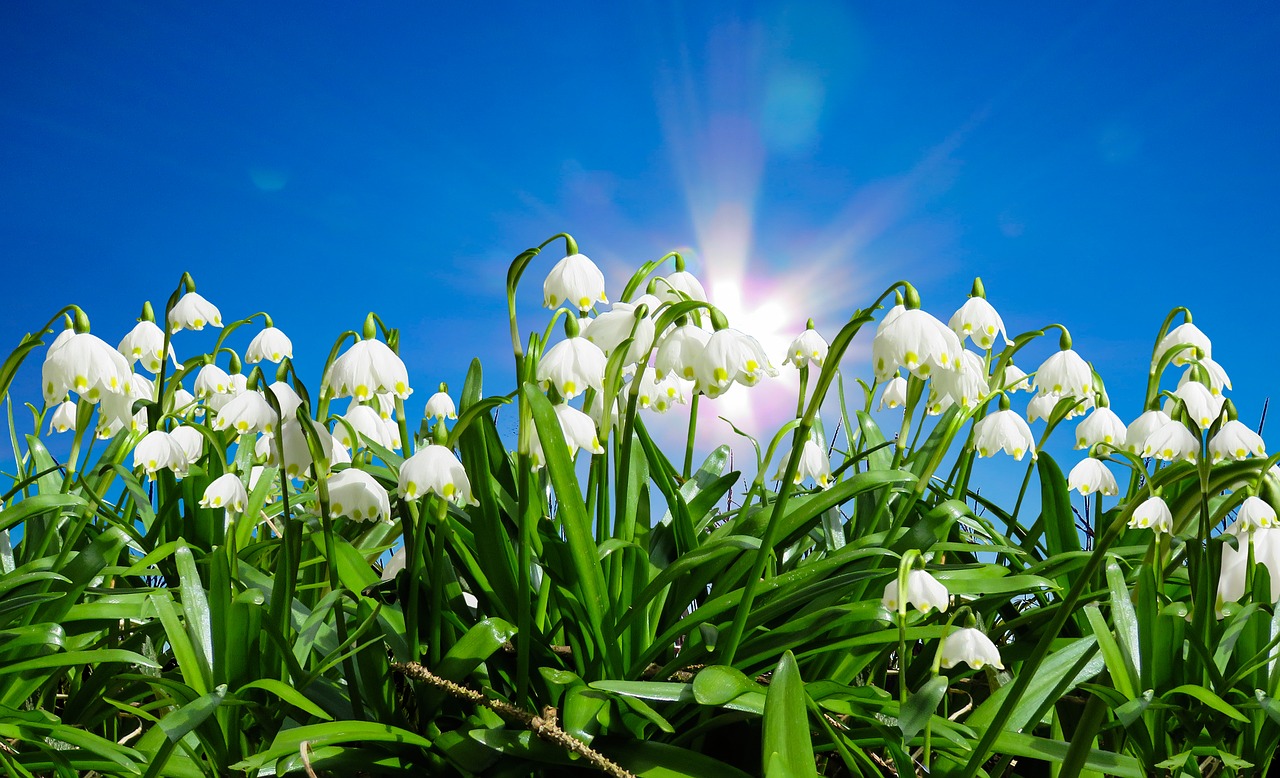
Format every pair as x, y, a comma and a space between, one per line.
616, 609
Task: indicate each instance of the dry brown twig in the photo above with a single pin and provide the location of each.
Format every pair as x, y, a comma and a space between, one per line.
544, 726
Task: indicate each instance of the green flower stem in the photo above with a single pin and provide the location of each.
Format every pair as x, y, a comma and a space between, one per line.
687, 470
804, 383
415, 556
335, 582
439, 538
514, 272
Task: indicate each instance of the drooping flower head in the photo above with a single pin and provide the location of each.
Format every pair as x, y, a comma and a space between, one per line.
1005, 431
730, 356
610, 329
84, 364
1065, 373
225, 491
678, 286
1136, 434
369, 367
814, 463
356, 495
972, 647
1101, 426
435, 470
247, 413
1172, 442
440, 406
923, 591
808, 347
978, 321
1091, 476
1184, 335
271, 344
193, 312
157, 451
64, 417
145, 344
895, 393
1236, 441
1153, 514
572, 366
679, 352
575, 280
915, 340
365, 421
1202, 405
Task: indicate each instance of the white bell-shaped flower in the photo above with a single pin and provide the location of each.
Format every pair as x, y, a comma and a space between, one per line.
386, 405
255, 474
116, 412
730, 356
246, 414
1235, 564
1065, 373
393, 433
572, 366
145, 344
1014, 379
659, 395
1218, 378
610, 329
184, 404
1091, 476
237, 384
193, 312
191, 440
368, 368
64, 417
1236, 441
84, 364
1202, 406
157, 450
575, 280
365, 421
678, 286
1254, 513
679, 352
225, 491
579, 431
1101, 426
1041, 406
895, 393
970, 646
271, 344
959, 387
808, 347
435, 470
286, 398
1153, 514
978, 321
1003, 431
440, 407
1136, 434
212, 380
356, 495
297, 454
1184, 334
1172, 442
814, 463
915, 340
923, 591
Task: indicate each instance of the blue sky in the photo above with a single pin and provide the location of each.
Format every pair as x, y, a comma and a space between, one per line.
1096, 163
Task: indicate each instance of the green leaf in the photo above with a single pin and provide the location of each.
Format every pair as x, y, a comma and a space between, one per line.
287, 693
788, 747
288, 741
1208, 698
185, 719
93, 657
920, 706
649, 690
1018, 744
